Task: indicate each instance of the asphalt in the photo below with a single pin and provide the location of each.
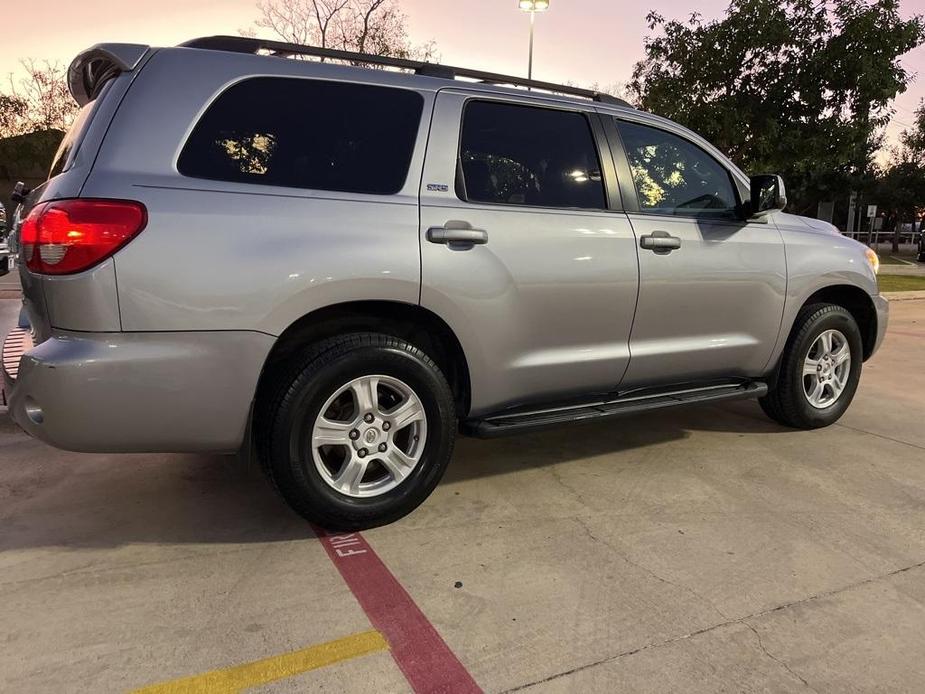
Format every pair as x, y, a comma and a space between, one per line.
9, 285
696, 550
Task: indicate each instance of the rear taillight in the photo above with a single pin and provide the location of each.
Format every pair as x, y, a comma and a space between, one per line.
66, 236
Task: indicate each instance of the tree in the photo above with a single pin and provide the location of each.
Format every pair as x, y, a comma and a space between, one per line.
901, 187
364, 26
796, 87
37, 101
12, 115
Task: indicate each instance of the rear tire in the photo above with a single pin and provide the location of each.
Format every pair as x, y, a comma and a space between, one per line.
814, 386
359, 432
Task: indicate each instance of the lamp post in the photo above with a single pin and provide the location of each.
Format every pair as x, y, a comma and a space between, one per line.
532, 6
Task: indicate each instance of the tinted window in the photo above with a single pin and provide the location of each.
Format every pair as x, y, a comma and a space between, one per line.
674, 176
67, 150
521, 155
306, 134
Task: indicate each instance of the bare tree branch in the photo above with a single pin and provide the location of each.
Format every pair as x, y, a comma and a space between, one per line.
39, 100
365, 26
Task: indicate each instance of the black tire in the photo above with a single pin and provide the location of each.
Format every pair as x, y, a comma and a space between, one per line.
286, 416
786, 402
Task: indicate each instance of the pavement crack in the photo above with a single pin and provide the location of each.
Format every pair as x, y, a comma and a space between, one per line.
625, 557
730, 622
776, 659
881, 436
557, 476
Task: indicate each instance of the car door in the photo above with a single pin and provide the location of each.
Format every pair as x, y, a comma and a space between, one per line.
712, 285
525, 252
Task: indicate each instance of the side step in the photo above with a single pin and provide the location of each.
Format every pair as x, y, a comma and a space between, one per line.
632, 402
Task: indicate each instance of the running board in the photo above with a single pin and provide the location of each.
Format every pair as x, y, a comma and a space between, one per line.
632, 402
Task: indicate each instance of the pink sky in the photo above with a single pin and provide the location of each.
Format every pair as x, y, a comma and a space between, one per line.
582, 41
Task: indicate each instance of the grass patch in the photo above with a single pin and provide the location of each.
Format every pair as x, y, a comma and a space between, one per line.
890, 260
901, 283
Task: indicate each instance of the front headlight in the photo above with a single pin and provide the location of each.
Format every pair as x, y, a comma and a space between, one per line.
873, 260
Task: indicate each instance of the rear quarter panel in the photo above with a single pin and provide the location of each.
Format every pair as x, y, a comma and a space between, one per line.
86, 301
232, 256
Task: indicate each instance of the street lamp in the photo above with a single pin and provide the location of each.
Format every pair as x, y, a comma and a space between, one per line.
532, 6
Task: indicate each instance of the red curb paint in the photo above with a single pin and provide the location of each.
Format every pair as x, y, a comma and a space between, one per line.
422, 655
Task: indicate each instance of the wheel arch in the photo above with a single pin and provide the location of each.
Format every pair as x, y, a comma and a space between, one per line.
411, 322
854, 300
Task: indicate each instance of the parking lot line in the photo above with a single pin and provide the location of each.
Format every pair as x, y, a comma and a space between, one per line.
417, 648
239, 677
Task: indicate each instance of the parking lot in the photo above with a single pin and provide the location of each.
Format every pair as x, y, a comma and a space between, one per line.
696, 550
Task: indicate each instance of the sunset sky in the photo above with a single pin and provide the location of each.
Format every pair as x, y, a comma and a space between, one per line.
582, 41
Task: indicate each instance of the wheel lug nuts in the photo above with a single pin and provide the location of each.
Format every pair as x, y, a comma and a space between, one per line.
382, 447
386, 426
368, 417
354, 435
362, 452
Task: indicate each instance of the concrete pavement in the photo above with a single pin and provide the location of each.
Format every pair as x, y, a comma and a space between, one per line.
699, 550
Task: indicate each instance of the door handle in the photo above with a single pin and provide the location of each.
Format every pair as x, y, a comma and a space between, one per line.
457, 235
660, 241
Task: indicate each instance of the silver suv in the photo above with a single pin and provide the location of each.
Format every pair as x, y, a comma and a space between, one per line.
336, 267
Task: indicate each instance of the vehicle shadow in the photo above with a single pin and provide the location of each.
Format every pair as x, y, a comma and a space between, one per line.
56, 498
481, 458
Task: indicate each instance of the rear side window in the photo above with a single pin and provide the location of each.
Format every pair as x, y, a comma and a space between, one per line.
306, 134
523, 155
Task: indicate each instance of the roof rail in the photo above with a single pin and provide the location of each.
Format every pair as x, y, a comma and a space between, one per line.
243, 44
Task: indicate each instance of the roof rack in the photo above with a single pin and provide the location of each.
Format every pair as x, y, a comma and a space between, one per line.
243, 44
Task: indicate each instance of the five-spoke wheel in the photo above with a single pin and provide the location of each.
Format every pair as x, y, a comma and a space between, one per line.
359, 433
819, 369
369, 435
826, 368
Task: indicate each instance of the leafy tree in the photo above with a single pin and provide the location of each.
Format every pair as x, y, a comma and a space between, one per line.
364, 26
901, 188
796, 87
12, 115
34, 114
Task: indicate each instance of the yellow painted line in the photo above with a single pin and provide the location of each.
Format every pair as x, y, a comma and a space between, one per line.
239, 677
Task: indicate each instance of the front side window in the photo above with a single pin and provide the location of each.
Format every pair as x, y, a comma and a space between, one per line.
523, 155
674, 176
303, 133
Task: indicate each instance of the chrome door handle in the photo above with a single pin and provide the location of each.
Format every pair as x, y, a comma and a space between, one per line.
660, 242
458, 234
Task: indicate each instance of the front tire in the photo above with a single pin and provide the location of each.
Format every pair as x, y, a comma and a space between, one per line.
359, 433
819, 371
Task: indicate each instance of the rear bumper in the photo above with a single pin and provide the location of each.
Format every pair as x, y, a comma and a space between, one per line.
882, 305
138, 392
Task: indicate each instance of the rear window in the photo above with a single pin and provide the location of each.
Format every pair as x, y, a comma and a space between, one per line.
67, 150
302, 133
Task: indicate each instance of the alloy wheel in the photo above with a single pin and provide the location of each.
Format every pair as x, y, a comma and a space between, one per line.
369, 436
826, 369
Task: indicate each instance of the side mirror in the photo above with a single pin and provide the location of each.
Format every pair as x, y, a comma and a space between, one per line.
19, 192
767, 194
